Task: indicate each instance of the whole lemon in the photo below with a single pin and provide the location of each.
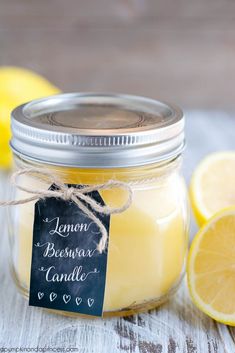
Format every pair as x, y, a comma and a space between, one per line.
17, 86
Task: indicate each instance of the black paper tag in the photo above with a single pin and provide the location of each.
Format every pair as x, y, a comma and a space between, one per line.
67, 271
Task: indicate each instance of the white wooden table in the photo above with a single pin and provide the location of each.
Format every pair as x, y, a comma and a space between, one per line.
177, 326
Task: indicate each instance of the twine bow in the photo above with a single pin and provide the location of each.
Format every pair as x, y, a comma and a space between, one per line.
79, 196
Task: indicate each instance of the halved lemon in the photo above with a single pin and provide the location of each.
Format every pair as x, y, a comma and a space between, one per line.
212, 186
211, 267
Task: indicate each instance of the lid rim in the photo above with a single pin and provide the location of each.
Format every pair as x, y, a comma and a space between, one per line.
31, 140
78, 164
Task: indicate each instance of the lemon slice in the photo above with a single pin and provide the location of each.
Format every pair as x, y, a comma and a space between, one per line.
211, 267
212, 185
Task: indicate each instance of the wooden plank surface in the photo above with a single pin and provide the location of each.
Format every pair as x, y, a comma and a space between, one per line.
176, 327
181, 51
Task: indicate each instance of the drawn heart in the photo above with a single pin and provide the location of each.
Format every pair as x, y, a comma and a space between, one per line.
53, 296
90, 302
40, 295
78, 300
66, 298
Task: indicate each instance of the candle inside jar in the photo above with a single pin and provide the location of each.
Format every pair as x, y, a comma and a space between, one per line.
147, 242
89, 139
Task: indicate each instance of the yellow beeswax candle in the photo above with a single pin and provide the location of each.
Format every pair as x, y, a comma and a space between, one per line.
148, 242
141, 148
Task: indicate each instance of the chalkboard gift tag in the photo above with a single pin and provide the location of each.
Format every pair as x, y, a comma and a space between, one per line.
67, 271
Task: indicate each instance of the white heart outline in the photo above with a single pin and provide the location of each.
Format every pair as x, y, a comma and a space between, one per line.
40, 295
52, 296
78, 300
66, 300
90, 302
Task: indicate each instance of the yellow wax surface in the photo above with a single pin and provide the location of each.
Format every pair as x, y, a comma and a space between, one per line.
147, 242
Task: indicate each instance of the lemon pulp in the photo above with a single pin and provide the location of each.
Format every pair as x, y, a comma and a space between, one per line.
212, 186
211, 267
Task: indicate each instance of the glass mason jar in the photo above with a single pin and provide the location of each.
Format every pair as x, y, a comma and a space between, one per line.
89, 139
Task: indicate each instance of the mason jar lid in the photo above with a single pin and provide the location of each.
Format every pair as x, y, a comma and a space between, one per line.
90, 130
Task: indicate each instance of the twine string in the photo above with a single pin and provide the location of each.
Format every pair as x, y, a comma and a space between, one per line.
78, 195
